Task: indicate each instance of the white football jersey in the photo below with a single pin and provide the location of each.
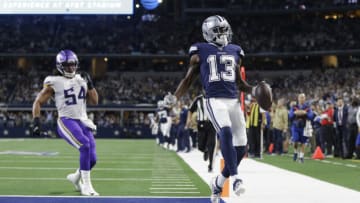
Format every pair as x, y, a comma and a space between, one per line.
70, 95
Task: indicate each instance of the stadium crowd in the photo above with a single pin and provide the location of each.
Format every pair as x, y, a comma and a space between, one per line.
116, 35
118, 88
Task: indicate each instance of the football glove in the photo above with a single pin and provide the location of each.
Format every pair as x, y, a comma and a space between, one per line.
36, 129
170, 99
88, 80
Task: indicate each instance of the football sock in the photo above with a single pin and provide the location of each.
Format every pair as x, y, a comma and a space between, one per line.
301, 154
240, 152
234, 177
85, 176
228, 150
220, 180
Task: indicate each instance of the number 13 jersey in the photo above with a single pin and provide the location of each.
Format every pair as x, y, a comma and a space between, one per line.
218, 68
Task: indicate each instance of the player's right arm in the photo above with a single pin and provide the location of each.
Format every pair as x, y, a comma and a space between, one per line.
41, 98
191, 75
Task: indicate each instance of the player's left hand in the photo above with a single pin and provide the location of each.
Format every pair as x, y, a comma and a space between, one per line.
87, 78
170, 99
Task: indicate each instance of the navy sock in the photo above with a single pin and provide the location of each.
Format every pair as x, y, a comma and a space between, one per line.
240, 152
228, 151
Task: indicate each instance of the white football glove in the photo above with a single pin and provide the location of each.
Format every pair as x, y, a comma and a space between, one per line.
170, 99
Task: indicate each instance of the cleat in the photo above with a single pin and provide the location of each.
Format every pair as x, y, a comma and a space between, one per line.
88, 190
75, 180
301, 160
238, 187
295, 157
215, 191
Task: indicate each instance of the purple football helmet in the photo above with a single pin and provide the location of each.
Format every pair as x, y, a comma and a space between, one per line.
67, 63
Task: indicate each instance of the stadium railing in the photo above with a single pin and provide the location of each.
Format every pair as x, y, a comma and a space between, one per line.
129, 121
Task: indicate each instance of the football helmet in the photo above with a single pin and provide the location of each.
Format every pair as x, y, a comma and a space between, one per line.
170, 99
160, 104
67, 63
217, 30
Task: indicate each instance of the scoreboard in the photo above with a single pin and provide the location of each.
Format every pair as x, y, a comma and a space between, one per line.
113, 7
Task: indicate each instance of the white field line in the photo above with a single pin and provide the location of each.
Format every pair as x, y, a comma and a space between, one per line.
172, 185
96, 169
173, 188
173, 180
174, 192
334, 163
108, 197
52, 160
107, 157
351, 165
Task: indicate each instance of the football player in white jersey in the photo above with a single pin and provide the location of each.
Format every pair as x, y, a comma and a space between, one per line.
154, 126
165, 120
71, 92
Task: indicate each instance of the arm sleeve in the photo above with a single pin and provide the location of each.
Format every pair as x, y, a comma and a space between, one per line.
194, 49
241, 52
49, 82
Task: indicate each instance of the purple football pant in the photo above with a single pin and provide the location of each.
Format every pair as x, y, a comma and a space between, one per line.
81, 137
358, 140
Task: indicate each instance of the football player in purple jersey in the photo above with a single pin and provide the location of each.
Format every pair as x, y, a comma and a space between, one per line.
71, 92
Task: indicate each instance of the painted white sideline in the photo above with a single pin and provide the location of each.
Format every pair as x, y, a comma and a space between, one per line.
269, 184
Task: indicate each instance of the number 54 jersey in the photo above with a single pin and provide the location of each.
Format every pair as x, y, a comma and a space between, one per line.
70, 95
218, 68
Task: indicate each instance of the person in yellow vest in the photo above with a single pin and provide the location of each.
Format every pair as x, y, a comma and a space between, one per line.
255, 122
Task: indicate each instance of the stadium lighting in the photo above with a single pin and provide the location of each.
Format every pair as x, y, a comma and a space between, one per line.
137, 5
160, 1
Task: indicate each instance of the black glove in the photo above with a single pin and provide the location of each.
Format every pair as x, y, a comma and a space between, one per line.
36, 130
87, 78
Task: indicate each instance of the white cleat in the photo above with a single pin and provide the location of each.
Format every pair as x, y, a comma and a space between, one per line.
215, 191
75, 180
88, 191
238, 187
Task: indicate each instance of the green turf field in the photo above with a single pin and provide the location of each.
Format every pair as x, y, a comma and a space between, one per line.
124, 168
334, 170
